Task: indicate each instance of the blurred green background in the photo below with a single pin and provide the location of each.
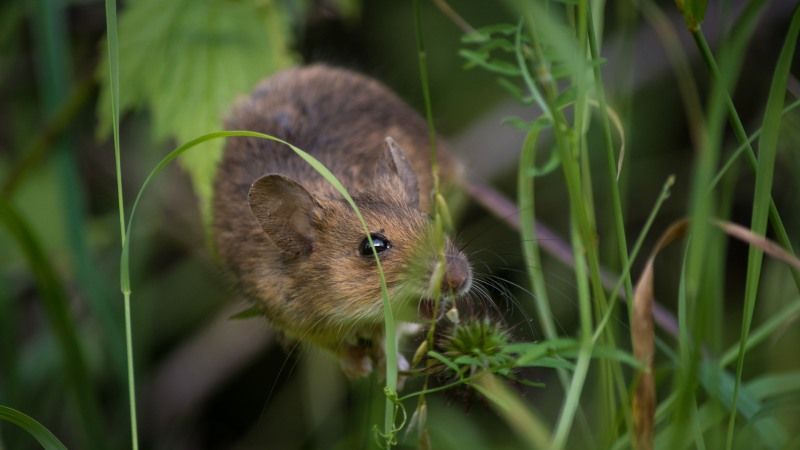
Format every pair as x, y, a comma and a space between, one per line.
207, 382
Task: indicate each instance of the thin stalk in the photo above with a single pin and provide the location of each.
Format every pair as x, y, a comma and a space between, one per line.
569, 146
526, 210
787, 314
618, 218
681, 68
572, 400
530, 249
616, 202
565, 142
744, 147
54, 78
113, 74
439, 207
59, 98
422, 57
634, 252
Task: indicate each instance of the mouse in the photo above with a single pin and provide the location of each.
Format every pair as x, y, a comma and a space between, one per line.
292, 244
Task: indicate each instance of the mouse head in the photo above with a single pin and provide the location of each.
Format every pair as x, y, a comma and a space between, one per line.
325, 253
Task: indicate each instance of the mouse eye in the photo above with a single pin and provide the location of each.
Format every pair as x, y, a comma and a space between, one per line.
381, 244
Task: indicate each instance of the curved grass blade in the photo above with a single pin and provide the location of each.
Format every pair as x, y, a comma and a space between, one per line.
519, 416
38, 431
390, 341
55, 301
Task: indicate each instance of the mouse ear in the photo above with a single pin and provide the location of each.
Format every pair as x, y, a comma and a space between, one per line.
400, 166
286, 212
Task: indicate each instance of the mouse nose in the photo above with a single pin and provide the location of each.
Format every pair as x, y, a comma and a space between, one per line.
457, 275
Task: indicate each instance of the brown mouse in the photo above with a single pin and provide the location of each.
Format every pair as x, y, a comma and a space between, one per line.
292, 243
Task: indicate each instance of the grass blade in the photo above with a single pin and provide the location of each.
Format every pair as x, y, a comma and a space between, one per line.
389, 322
33, 427
767, 147
55, 302
741, 135
521, 419
112, 43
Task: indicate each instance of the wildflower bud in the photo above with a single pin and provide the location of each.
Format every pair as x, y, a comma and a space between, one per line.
422, 350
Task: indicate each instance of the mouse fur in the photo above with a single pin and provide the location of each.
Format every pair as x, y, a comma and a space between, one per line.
291, 242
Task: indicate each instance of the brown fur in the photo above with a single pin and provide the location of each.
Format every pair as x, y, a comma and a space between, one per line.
293, 247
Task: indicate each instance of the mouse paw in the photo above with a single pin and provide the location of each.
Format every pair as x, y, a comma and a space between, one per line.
356, 362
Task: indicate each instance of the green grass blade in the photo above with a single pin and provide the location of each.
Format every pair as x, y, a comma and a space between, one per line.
42, 435
572, 400
703, 242
767, 147
55, 302
112, 42
741, 135
779, 319
389, 321
612, 164
422, 57
745, 147
511, 407
530, 247
665, 193
54, 80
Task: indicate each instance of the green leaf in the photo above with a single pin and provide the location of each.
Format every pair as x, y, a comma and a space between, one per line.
186, 62
484, 34
444, 360
33, 427
497, 44
720, 385
531, 351
482, 59
467, 360
515, 91
545, 347
774, 385
547, 361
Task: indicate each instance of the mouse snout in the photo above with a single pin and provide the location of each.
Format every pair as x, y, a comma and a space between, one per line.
458, 275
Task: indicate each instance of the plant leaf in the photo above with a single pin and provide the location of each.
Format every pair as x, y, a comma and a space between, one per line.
186, 62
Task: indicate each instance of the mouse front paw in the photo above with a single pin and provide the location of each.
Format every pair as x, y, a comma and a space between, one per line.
356, 362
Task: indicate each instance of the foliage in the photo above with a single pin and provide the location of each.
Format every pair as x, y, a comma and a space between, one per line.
186, 62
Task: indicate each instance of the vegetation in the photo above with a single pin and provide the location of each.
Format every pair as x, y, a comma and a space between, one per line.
680, 167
